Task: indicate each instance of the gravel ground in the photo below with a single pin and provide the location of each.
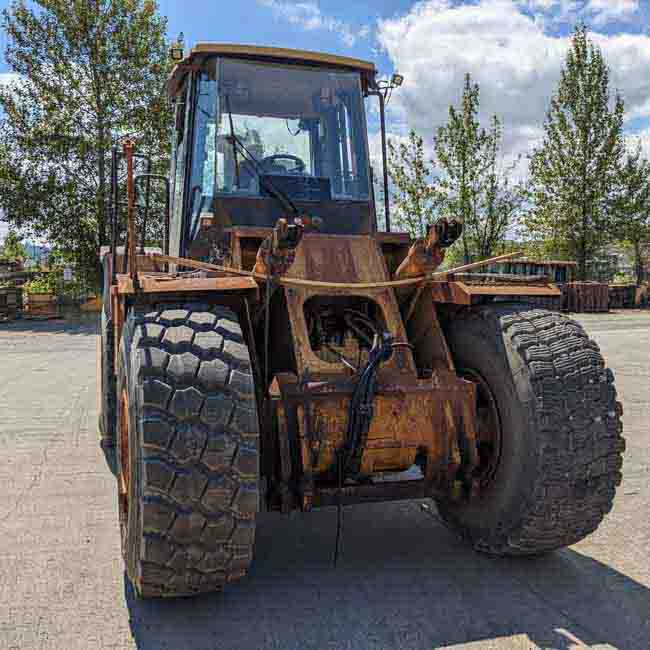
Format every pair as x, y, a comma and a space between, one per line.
403, 582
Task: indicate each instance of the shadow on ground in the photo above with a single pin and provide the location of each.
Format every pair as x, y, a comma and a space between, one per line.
85, 325
404, 582
110, 455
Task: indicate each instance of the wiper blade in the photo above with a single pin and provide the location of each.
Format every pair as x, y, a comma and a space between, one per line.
278, 194
269, 186
233, 140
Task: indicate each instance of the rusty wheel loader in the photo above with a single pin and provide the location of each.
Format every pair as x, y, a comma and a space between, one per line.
282, 353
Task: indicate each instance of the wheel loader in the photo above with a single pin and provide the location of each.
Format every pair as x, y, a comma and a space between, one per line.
281, 352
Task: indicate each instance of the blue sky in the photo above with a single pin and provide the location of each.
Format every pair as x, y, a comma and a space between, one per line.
286, 24
351, 26
415, 35
256, 22
513, 48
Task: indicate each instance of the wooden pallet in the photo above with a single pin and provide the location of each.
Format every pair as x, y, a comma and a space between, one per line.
40, 306
585, 297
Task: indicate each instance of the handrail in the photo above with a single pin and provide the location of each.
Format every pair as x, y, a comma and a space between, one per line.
300, 282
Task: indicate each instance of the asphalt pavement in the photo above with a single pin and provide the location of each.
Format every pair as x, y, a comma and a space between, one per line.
403, 581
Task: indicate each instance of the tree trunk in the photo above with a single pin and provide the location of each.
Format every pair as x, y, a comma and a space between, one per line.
101, 171
465, 250
638, 263
582, 253
101, 194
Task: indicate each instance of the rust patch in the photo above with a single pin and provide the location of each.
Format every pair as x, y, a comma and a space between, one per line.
124, 464
333, 262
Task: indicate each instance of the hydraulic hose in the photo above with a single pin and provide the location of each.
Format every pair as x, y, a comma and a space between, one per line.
360, 410
360, 414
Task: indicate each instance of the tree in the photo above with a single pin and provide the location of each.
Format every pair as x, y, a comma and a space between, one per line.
91, 72
633, 213
574, 171
415, 196
476, 190
13, 248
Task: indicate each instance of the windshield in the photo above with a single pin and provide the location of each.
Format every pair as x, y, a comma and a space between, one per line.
305, 126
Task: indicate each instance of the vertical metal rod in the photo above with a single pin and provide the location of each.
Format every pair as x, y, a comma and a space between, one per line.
115, 205
115, 211
384, 151
168, 191
146, 207
375, 226
130, 190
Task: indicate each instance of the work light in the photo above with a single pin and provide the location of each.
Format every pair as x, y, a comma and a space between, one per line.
176, 51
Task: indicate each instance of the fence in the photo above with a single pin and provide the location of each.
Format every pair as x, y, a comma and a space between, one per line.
582, 297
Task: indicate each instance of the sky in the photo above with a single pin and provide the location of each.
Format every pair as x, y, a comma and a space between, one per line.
513, 48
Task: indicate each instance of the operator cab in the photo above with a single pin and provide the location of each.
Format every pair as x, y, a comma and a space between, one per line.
261, 129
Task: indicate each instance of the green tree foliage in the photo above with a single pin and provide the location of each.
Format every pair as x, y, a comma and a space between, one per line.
13, 249
476, 190
574, 173
91, 74
633, 207
415, 196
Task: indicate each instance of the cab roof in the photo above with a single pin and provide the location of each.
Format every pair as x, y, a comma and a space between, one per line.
202, 51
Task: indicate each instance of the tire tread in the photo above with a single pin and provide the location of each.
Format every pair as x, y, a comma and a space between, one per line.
579, 431
195, 534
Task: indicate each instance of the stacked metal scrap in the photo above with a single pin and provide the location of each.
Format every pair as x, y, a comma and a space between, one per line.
552, 303
622, 296
580, 297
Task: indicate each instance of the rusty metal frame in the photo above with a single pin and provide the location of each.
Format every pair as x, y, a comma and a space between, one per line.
459, 293
161, 283
414, 417
132, 256
307, 450
424, 412
331, 495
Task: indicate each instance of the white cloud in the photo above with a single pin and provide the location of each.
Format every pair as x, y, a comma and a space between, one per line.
516, 63
8, 77
307, 15
553, 11
640, 137
604, 11
595, 12
564, 7
543, 5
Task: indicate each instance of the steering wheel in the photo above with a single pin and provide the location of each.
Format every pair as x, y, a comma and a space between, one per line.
268, 163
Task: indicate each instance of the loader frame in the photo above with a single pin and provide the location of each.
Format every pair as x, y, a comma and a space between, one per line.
425, 411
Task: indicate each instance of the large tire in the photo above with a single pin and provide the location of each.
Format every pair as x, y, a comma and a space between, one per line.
188, 416
108, 405
560, 451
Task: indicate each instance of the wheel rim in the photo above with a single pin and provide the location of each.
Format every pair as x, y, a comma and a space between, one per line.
489, 432
124, 473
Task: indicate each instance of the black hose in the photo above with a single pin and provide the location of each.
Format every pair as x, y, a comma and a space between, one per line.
360, 410
360, 414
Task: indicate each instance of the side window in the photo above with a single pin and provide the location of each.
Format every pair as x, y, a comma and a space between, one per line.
203, 158
179, 155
